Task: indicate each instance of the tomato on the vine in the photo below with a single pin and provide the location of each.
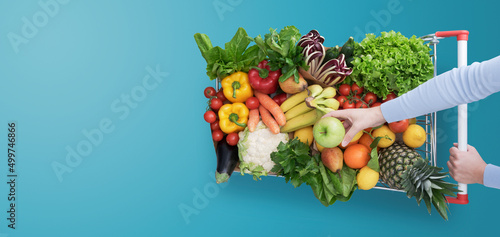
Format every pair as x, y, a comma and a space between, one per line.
221, 96
342, 99
232, 139
356, 98
215, 126
390, 96
252, 103
209, 92
348, 105
370, 98
345, 89
210, 116
361, 104
376, 104
217, 135
215, 103
356, 89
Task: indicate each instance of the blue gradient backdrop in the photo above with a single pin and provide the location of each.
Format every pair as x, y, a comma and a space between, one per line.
159, 157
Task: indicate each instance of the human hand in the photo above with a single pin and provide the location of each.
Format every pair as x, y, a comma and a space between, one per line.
466, 166
356, 120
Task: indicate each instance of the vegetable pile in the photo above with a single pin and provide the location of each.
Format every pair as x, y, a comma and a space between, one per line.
267, 116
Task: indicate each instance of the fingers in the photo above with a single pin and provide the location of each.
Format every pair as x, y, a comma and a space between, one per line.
469, 147
349, 136
340, 114
453, 151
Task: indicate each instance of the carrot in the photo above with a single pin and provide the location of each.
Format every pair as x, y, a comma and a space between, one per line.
268, 120
272, 107
253, 119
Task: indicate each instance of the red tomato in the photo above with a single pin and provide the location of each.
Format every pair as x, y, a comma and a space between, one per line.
215, 103
342, 99
370, 98
232, 139
399, 126
376, 104
390, 96
356, 98
252, 103
279, 98
348, 105
217, 135
361, 104
221, 96
210, 116
356, 89
215, 126
209, 92
345, 89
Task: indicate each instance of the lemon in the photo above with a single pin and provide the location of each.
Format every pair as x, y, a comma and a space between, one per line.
305, 135
319, 147
385, 133
414, 136
367, 178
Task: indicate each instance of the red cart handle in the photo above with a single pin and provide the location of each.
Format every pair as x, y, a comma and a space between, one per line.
460, 34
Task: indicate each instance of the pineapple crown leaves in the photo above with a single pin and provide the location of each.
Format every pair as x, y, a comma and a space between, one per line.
424, 182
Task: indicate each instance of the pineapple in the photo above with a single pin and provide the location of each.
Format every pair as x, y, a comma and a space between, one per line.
403, 168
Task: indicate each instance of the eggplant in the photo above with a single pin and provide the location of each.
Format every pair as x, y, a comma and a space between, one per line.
227, 159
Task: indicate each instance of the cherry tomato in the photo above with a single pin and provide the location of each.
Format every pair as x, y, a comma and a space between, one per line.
210, 116
221, 96
209, 92
342, 99
390, 96
361, 104
215, 103
252, 103
348, 105
356, 89
279, 98
376, 104
399, 126
215, 125
345, 89
217, 135
356, 98
232, 139
370, 98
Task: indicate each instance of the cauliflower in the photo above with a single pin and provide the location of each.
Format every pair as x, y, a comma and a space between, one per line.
255, 148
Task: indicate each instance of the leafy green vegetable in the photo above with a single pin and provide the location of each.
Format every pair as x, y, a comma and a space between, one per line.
283, 52
391, 63
295, 164
235, 57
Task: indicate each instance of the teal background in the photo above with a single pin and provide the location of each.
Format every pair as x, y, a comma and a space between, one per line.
160, 156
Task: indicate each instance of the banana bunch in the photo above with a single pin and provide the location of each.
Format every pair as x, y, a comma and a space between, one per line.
300, 114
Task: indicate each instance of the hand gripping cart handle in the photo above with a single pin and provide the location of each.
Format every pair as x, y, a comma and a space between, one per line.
462, 37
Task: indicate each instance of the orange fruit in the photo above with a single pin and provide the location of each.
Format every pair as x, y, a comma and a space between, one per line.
366, 140
356, 156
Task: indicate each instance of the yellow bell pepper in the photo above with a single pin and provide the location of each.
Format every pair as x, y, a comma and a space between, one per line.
233, 117
237, 87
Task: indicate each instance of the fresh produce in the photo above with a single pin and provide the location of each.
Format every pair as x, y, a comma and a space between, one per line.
367, 178
399, 126
215, 126
361, 104
370, 98
305, 135
217, 135
388, 137
279, 98
210, 116
227, 158
252, 103
295, 164
293, 101
220, 95
254, 154
414, 136
323, 101
270, 105
232, 139
209, 92
356, 156
268, 120
333, 159
390, 96
283, 52
331, 53
215, 103
403, 168
290, 86
299, 109
234, 58
366, 140
253, 119
348, 51
329, 132
263, 79
345, 89
356, 89
301, 121
413, 120
391, 63
236, 87
233, 117
329, 73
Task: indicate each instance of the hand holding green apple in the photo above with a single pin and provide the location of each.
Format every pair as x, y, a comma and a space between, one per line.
329, 132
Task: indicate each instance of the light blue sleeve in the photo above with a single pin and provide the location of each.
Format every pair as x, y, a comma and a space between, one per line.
491, 177
458, 86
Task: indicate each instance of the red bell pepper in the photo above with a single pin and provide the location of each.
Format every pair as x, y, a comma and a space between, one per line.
280, 98
262, 79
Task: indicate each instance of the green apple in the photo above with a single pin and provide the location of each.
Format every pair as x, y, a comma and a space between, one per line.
329, 132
